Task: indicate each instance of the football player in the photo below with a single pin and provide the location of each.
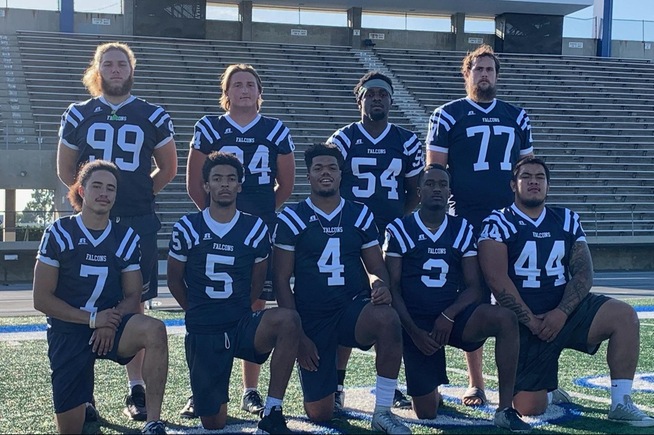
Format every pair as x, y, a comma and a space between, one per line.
430, 257
87, 280
382, 164
325, 241
116, 126
216, 268
537, 263
479, 138
265, 147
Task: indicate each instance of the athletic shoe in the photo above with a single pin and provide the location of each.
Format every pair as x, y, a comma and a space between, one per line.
188, 411
91, 414
273, 423
154, 427
560, 396
252, 402
339, 401
387, 422
400, 401
629, 413
509, 418
135, 404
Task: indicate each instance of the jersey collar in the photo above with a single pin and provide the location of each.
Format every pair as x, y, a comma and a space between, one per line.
370, 138
245, 128
95, 242
115, 107
330, 216
433, 236
481, 109
536, 222
218, 228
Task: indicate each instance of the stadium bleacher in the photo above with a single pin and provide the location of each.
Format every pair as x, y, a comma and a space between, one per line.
592, 118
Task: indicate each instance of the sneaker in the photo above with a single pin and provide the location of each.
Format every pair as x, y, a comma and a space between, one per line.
273, 423
252, 402
135, 404
339, 401
560, 396
387, 422
91, 414
154, 427
188, 411
401, 401
629, 413
509, 418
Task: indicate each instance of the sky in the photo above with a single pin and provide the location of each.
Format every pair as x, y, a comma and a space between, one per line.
578, 24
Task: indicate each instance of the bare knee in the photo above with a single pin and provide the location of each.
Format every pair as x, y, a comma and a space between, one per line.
321, 410
530, 402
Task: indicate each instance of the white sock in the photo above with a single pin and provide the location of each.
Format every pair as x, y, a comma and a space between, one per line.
619, 389
549, 397
271, 402
132, 384
384, 392
247, 390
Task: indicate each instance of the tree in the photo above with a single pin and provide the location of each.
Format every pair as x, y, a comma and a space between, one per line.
39, 211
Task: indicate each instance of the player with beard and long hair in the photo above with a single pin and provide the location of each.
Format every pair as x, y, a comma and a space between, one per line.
382, 164
537, 263
116, 126
479, 139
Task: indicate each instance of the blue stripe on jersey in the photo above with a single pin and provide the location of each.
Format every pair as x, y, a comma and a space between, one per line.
286, 215
258, 231
60, 234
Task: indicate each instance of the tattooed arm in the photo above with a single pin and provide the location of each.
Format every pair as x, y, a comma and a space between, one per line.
494, 262
581, 271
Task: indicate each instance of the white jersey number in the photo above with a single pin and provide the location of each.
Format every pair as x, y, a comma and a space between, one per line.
102, 136
210, 271
432, 264
485, 132
387, 179
330, 262
101, 272
259, 166
527, 264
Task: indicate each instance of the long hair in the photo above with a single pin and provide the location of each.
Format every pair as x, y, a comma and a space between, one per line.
85, 172
484, 50
225, 81
92, 80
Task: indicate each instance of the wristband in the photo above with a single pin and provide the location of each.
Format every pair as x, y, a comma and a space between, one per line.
445, 315
92, 319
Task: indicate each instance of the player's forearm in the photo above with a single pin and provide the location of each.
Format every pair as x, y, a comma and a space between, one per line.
508, 296
52, 306
160, 179
466, 298
405, 318
179, 291
282, 193
581, 269
130, 303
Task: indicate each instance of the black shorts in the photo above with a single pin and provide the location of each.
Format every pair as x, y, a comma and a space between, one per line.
328, 333
424, 373
146, 226
538, 364
72, 364
210, 358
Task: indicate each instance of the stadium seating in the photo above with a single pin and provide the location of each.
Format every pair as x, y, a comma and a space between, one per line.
592, 118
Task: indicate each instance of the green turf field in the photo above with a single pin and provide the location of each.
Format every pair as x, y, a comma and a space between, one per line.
26, 405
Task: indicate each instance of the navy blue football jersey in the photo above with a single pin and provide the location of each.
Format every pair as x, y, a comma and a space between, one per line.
90, 263
328, 268
219, 258
431, 262
257, 146
127, 135
482, 144
538, 250
375, 168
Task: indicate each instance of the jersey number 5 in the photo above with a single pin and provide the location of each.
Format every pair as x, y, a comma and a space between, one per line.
210, 271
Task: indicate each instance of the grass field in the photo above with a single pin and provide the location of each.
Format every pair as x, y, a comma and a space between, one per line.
26, 403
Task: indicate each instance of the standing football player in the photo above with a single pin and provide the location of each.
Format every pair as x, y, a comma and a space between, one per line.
382, 164
216, 268
116, 126
87, 280
265, 148
479, 139
325, 241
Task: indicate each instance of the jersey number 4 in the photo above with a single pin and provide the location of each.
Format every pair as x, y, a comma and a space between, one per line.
330, 262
